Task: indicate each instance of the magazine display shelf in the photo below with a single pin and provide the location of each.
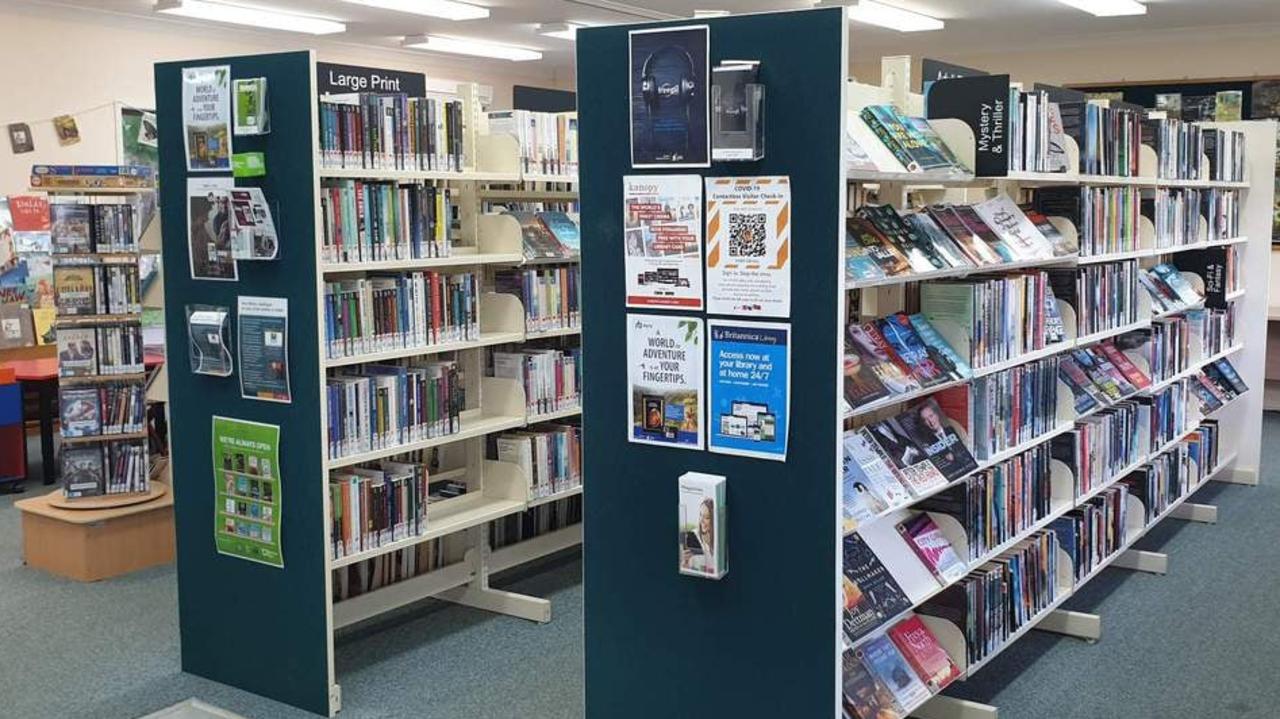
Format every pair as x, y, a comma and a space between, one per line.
295, 606
1240, 418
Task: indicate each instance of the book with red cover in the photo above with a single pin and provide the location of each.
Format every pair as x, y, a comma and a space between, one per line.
921, 650
932, 547
978, 252
1125, 365
876, 353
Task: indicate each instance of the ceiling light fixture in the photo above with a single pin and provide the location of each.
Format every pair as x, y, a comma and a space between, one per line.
447, 9
710, 13
476, 48
252, 16
1107, 8
562, 30
871, 12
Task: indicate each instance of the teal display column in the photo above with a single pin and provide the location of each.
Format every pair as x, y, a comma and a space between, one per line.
252, 626
763, 641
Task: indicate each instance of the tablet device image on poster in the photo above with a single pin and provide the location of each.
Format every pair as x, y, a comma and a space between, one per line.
664, 379
662, 240
206, 117
263, 348
670, 124
749, 246
749, 382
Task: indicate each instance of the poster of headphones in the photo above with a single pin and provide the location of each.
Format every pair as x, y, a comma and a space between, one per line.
669, 105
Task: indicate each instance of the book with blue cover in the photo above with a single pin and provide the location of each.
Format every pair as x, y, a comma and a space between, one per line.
886, 663
900, 335
942, 353
564, 229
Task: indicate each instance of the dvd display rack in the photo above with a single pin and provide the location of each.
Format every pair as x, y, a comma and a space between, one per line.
99, 232
770, 637
459, 251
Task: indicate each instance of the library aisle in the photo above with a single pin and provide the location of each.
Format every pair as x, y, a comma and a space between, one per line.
1221, 583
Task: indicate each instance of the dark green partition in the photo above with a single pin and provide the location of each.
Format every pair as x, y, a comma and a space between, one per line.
255, 627
763, 641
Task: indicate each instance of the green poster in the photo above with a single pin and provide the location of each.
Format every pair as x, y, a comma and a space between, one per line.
246, 479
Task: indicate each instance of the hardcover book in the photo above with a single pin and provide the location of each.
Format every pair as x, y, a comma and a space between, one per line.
865, 697
927, 426
885, 254
978, 251
1003, 216
942, 353
80, 411
931, 546
898, 332
871, 595
920, 648
886, 664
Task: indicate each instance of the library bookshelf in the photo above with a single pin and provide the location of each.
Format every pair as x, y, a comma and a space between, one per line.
298, 604
786, 529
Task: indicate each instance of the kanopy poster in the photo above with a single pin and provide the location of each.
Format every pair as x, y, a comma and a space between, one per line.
749, 370
662, 238
263, 348
206, 117
209, 249
247, 496
670, 68
749, 246
664, 380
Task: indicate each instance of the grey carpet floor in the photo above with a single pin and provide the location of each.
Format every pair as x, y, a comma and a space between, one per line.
1197, 642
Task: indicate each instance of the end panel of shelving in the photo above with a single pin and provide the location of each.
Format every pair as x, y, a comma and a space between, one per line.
770, 640
500, 234
281, 648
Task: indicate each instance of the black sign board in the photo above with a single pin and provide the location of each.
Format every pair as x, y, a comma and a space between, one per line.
982, 103
931, 70
334, 79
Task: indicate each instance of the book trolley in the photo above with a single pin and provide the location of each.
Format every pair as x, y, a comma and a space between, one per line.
283, 647
768, 639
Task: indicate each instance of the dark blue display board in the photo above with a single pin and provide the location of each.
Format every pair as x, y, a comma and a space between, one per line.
252, 626
763, 641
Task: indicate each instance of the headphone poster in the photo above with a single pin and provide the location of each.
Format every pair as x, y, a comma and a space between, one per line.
670, 68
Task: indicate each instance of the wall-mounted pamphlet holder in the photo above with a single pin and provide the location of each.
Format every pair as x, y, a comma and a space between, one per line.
209, 336
702, 526
252, 113
737, 112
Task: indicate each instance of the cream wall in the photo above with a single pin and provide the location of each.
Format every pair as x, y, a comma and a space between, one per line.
1230, 52
60, 61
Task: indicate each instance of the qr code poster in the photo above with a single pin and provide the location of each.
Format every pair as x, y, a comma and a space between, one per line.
749, 246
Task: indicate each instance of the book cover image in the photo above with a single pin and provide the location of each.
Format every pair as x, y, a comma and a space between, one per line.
75, 289
908, 345
927, 426
921, 650
665, 377
871, 595
702, 525
865, 697
82, 471
932, 547
670, 71
872, 349
81, 412
77, 352
69, 228
885, 663
662, 238
564, 229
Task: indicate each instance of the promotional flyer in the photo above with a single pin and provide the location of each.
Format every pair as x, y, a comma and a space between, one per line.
750, 387
664, 378
749, 246
246, 484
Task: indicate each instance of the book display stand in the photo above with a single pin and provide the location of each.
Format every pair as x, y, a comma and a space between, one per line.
284, 647
771, 637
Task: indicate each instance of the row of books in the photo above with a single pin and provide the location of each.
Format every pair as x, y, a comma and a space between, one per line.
1168, 420
1100, 376
386, 569
889, 463
548, 140
376, 221
97, 289
375, 407
880, 242
78, 228
891, 674
1169, 289
912, 140
573, 208
1214, 329
1104, 296
548, 235
1225, 150
1178, 145
1005, 409
106, 409
1099, 446
535, 522
1092, 532
1035, 133
1204, 445
552, 296
1161, 482
391, 132
93, 176
1106, 218
1112, 137
993, 319
992, 506
1217, 384
108, 468
1165, 346
1221, 209
550, 455
896, 355
399, 311
108, 350
552, 378
376, 505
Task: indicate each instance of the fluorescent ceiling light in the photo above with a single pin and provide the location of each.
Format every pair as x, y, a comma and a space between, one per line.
447, 9
871, 12
710, 13
1108, 8
562, 30
255, 17
459, 46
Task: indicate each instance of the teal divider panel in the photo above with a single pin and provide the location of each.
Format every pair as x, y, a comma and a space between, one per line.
762, 641
255, 627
